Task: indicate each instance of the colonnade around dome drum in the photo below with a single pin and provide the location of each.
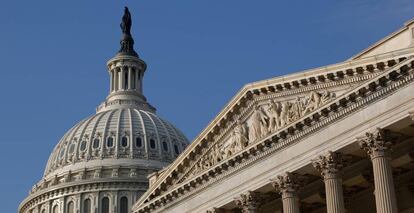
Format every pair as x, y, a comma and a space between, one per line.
103, 202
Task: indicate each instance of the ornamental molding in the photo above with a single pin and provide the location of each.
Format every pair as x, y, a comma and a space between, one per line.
378, 143
329, 165
347, 103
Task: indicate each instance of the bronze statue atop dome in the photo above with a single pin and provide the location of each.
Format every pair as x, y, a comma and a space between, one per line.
126, 22
127, 42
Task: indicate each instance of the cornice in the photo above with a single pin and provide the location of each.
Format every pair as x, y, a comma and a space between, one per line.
379, 86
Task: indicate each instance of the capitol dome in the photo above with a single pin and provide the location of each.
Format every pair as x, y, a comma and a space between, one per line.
101, 165
130, 135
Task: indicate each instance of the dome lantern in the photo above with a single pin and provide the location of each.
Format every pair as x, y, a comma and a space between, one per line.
126, 71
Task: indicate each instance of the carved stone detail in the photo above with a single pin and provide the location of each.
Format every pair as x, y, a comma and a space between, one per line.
249, 201
215, 210
264, 120
377, 143
286, 184
329, 165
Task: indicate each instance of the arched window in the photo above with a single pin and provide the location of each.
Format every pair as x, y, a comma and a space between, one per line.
152, 143
96, 143
124, 205
165, 146
105, 205
124, 141
72, 148
138, 142
62, 153
43, 211
176, 149
87, 206
110, 142
83, 146
55, 209
70, 207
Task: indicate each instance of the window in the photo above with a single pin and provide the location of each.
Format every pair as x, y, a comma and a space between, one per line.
124, 205
126, 80
96, 143
83, 146
152, 143
110, 142
105, 205
62, 153
55, 209
72, 148
87, 206
165, 146
138, 142
176, 149
124, 141
133, 79
70, 207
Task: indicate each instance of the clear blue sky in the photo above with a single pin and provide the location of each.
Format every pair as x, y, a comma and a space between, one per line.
199, 54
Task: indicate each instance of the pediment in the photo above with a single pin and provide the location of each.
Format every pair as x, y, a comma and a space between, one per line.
264, 108
400, 39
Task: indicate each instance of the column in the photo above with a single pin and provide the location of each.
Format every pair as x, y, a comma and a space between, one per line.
377, 144
287, 185
116, 77
129, 78
330, 167
249, 202
121, 78
111, 81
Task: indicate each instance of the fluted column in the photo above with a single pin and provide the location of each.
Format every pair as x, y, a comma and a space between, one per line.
378, 144
330, 167
249, 202
287, 185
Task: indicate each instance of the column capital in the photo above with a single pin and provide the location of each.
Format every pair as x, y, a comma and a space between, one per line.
287, 183
215, 210
377, 143
249, 201
329, 165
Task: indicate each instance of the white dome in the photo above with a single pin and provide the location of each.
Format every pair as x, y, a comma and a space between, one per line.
140, 137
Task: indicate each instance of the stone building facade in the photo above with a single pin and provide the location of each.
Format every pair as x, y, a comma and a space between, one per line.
339, 138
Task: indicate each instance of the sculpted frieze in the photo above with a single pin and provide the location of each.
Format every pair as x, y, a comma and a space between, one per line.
266, 118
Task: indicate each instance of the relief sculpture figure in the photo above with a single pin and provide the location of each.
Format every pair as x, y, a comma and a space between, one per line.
273, 115
314, 101
258, 125
326, 97
284, 114
239, 138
